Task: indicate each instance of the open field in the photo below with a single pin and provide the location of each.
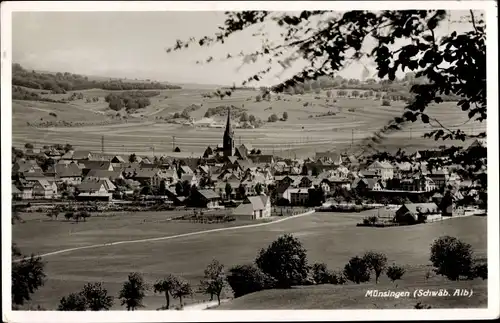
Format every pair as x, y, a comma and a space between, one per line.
299, 136
329, 237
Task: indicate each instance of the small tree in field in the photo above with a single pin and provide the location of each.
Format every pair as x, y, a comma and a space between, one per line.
167, 286
386, 103
395, 272
258, 189
182, 289
376, 262
214, 280
97, 297
322, 275
27, 276
451, 257
285, 260
357, 270
481, 271
285, 116
133, 292
72, 302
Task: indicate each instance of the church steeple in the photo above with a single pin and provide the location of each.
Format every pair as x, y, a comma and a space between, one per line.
228, 141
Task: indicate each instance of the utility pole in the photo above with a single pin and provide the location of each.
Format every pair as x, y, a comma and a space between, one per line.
102, 144
411, 134
173, 143
352, 137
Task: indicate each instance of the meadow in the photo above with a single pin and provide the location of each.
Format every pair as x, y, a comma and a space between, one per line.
307, 129
331, 238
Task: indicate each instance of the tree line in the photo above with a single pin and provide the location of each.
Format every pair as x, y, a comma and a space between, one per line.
63, 82
130, 100
283, 264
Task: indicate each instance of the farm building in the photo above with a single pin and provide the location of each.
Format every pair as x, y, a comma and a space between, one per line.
93, 190
204, 198
42, 188
415, 213
254, 207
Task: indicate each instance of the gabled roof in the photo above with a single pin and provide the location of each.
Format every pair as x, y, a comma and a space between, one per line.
416, 208
117, 159
265, 159
44, 183
97, 164
187, 177
87, 186
378, 164
15, 190
187, 169
99, 173
69, 170
209, 194
81, 154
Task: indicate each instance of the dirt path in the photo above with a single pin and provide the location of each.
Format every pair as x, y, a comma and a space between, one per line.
170, 237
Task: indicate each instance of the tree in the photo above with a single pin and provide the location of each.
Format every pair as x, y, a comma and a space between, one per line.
322, 275
386, 103
481, 271
395, 272
68, 147
258, 189
167, 286
96, 297
443, 62
179, 189
285, 260
28, 145
132, 158
133, 292
182, 289
84, 215
376, 262
228, 189
163, 188
357, 270
355, 94
242, 192
329, 94
72, 302
451, 257
246, 279
273, 118
27, 276
177, 150
244, 117
258, 98
285, 116
214, 280
252, 118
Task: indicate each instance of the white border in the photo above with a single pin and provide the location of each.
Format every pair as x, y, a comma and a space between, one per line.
493, 310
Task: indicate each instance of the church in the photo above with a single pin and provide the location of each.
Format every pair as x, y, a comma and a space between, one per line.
228, 140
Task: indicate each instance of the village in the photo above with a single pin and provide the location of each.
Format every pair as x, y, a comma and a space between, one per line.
241, 181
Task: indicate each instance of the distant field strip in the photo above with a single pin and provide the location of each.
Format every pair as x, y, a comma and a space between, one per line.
170, 237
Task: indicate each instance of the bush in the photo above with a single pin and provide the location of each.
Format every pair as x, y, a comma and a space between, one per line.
285, 260
73, 302
451, 257
322, 275
273, 118
395, 272
258, 98
481, 271
386, 103
356, 270
246, 279
53, 114
422, 306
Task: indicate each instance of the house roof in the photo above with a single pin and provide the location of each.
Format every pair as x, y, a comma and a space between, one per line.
90, 186
45, 183
378, 164
15, 190
209, 194
187, 169
97, 164
241, 152
266, 159
145, 173
232, 159
416, 208
100, 173
81, 154
118, 159
187, 177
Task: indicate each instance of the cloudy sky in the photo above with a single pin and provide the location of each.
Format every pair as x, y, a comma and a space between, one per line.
132, 44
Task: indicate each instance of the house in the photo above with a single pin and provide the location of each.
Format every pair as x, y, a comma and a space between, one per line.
93, 190
383, 169
331, 156
148, 176
262, 159
367, 184
69, 173
17, 194
44, 189
26, 166
185, 170
204, 198
254, 207
190, 178
118, 160
334, 183
79, 155
368, 174
26, 189
306, 182
299, 196
96, 174
96, 164
439, 176
482, 143
220, 188
415, 212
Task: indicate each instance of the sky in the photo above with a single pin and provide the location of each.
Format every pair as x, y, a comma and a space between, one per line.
132, 44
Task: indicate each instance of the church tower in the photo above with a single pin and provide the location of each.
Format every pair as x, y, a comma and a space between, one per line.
228, 141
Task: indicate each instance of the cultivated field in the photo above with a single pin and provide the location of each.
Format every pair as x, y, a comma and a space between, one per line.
301, 135
329, 237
